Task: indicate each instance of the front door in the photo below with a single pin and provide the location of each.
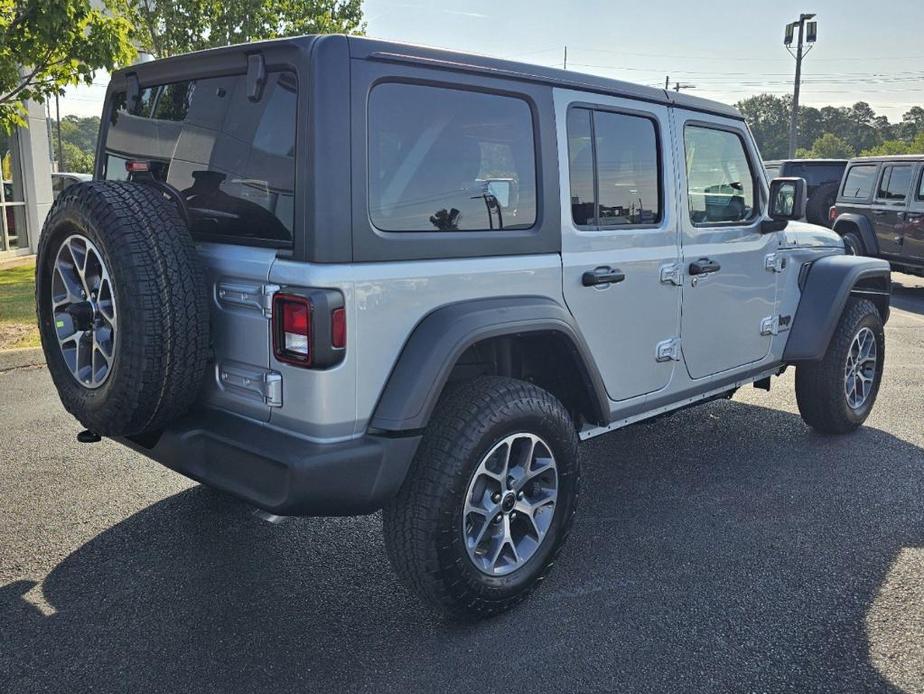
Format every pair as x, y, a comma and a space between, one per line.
888, 209
619, 232
728, 292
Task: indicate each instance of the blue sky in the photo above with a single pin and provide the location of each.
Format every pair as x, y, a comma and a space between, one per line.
869, 51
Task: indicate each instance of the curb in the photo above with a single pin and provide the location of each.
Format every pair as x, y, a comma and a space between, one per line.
21, 358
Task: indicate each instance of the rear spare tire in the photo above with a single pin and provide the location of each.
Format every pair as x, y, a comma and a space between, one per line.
122, 307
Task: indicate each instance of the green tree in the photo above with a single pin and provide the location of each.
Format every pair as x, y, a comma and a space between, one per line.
78, 140
916, 146
768, 117
166, 27
828, 146
912, 123
46, 45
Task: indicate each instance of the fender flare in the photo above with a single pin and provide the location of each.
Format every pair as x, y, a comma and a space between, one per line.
435, 345
867, 235
825, 290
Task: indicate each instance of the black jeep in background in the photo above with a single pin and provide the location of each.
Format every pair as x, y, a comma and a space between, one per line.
880, 210
822, 176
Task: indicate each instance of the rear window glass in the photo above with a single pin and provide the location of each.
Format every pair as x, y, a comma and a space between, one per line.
450, 160
231, 158
895, 183
817, 174
859, 182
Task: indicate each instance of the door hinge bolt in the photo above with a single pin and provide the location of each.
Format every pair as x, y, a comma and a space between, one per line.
672, 274
775, 262
668, 350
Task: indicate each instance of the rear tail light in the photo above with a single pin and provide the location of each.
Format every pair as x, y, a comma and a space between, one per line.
309, 328
832, 214
338, 328
137, 166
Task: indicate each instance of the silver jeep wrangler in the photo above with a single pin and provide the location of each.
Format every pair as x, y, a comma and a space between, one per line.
333, 275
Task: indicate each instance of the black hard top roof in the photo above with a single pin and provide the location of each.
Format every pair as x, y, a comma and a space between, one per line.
910, 158
779, 162
374, 49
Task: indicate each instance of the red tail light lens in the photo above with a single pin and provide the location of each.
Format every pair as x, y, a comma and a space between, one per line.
338, 328
832, 214
292, 333
137, 166
309, 327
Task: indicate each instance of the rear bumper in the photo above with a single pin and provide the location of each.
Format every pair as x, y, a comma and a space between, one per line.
278, 472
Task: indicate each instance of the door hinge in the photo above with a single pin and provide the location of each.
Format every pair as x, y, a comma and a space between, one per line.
774, 262
672, 274
774, 325
248, 295
668, 350
252, 381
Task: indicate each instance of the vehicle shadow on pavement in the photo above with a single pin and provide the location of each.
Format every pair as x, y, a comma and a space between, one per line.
723, 548
908, 294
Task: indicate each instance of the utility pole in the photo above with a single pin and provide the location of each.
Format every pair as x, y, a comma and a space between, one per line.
565, 63
667, 82
807, 35
683, 85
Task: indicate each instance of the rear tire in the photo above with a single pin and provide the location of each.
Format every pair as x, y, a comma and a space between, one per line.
816, 210
853, 244
836, 394
441, 549
122, 307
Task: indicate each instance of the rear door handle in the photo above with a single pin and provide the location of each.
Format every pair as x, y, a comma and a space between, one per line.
879, 213
602, 275
704, 266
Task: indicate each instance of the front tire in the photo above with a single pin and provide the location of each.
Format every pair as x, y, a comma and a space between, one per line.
836, 394
489, 499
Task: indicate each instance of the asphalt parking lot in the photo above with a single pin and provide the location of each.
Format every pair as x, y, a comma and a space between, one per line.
725, 548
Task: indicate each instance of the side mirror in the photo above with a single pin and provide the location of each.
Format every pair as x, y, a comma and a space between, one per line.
787, 198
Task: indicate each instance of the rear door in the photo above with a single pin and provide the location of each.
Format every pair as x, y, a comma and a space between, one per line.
888, 213
619, 236
232, 158
913, 247
729, 293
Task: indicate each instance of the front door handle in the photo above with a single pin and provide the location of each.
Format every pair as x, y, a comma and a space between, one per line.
602, 275
704, 266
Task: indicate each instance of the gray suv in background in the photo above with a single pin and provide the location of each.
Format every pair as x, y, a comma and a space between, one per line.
332, 275
823, 176
880, 210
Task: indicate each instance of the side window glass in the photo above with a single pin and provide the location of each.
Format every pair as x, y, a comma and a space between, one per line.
613, 167
450, 160
627, 169
895, 183
858, 184
921, 185
720, 188
581, 166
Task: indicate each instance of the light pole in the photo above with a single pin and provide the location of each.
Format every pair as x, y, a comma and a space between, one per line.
808, 32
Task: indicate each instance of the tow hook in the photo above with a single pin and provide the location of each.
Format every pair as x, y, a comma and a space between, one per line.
87, 436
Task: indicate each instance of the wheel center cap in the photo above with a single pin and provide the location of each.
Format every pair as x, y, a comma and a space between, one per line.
83, 314
510, 499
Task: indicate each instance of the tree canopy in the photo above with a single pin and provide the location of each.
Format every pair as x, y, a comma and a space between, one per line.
852, 129
168, 27
46, 45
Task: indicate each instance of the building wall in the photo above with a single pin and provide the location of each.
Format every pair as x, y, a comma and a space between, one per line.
35, 164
